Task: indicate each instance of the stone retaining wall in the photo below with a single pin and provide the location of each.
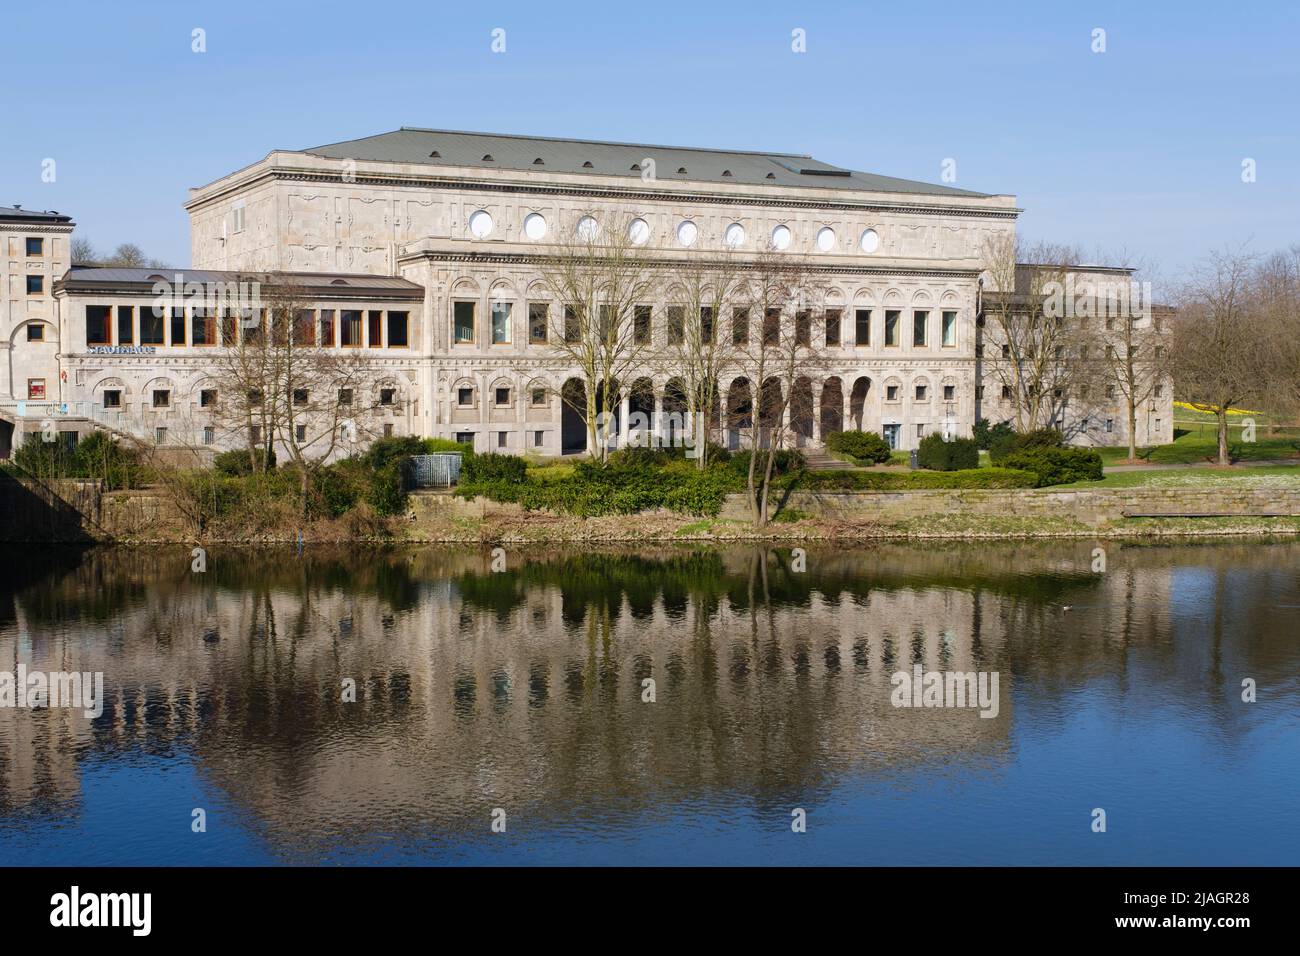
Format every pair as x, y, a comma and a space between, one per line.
1090, 506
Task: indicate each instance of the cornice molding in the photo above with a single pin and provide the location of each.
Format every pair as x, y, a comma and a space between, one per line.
599, 192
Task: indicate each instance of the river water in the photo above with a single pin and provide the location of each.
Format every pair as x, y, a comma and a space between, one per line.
673, 706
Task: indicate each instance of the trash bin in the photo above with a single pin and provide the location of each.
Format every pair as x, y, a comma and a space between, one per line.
912, 457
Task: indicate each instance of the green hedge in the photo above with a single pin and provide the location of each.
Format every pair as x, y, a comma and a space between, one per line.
493, 467
986, 434
1016, 442
954, 454
973, 478
596, 489
787, 460
1057, 466
862, 446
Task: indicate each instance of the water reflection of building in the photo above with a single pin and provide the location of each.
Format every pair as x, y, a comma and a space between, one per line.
523, 689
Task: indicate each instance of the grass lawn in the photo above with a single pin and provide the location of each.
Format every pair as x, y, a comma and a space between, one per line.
1195, 446
1264, 476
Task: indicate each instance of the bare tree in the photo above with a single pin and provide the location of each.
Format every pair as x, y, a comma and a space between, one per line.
83, 251
598, 276
281, 387
1277, 286
1035, 356
1218, 347
780, 301
1133, 350
700, 350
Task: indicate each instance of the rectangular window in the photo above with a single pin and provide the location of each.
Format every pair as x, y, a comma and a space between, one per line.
502, 396
676, 324
920, 323
375, 330
388, 429
387, 396
209, 434
891, 327
740, 327
501, 439
920, 430
537, 439
501, 323
160, 435
463, 323
922, 393
398, 329
1006, 393
1110, 425
949, 393
539, 397
162, 398
706, 324
571, 327
1157, 426
35, 285
36, 332
862, 327
539, 316
891, 393
300, 396
304, 327
350, 328
772, 327
36, 389
35, 247
237, 216
125, 325
229, 327
465, 438
949, 330
803, 328
1160, 391
178, 327
112, 398
152, 327
255, 434
641, 325
345, 396
203, 328
207, 398
464, 397
326, 329
833, 328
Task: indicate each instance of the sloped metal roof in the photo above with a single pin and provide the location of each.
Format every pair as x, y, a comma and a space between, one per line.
15, 213
333, 282
671, 163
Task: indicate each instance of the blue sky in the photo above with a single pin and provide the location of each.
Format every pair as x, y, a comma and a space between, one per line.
1137, 148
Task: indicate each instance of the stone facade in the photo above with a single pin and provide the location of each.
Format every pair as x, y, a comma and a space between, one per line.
34, 253
466, 218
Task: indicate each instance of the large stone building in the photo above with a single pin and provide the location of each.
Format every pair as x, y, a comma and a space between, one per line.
422, 249
34, 253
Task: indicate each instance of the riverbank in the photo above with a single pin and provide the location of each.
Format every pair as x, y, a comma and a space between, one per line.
81, 511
